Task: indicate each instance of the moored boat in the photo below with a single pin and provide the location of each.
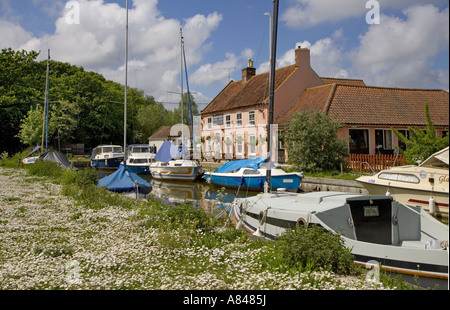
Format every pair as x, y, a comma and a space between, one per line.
403, 239
107, 156
425, 185
250, 174
139, 157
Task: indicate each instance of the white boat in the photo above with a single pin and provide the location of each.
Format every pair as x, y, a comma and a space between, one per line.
250, 174
403, 239
139, 157
107, 156
425, 185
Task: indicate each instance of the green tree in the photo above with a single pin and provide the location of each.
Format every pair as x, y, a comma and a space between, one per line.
31, 127
312, 142
183, 106
421, 143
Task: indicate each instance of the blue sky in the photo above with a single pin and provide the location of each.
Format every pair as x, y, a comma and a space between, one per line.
408, 48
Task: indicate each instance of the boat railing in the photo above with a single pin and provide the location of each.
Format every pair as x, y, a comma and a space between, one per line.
365, 163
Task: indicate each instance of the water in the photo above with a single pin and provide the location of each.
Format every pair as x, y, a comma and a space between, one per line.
212, 199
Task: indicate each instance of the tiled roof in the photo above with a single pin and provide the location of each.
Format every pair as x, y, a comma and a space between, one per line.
350, 82
373, 105
255, 91
162, 133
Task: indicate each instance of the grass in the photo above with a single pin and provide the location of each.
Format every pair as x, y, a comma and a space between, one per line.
85, 237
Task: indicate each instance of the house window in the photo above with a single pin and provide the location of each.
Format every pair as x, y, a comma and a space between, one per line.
252, 144
359, 141
238, 119
229, 146
383, 141
405, 133
227, 121
251, 118
209, 123
218, 119
239, 144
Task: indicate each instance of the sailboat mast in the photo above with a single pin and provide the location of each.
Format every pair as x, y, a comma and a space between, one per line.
190, 107
181, 85
126, 86
273, 52
45, 118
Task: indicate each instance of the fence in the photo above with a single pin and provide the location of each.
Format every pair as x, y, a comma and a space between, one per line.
373, 163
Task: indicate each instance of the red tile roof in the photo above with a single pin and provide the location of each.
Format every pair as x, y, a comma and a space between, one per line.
373, 105
350, 82
255, 91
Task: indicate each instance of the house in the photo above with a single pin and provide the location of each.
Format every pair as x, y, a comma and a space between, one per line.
234, 124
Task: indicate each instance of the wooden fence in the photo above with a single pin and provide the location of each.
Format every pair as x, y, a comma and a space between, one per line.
373, 163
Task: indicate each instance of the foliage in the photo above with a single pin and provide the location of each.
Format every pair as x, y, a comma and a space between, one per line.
312, 248
312, 142
421, 144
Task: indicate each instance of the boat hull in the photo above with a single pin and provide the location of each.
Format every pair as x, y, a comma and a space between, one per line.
175, 172
254, 183
139, 169
109, 163
403, 249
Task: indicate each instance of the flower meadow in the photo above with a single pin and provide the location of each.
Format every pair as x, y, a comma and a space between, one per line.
54, 241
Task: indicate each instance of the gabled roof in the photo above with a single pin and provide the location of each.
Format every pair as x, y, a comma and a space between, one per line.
239, 94
360, 105
162, 133
350, 82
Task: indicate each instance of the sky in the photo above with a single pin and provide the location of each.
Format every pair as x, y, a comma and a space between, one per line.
388, 43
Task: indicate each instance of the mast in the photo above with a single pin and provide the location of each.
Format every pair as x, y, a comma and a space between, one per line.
190, 107
181, 85
273, 52
45, 118
126, 89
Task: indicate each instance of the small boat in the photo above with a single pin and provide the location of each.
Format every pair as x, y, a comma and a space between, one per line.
107, 156
403, 239
125, 180
425, 185
28, 159
169, 168
250, 174
139, 157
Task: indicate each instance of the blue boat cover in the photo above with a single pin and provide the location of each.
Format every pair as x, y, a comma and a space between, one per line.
167, 151
253, 163
123, 180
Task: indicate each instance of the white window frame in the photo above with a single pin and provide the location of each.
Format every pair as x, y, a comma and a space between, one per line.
252, 147
239, 119
252, 123
227, 120
209, 123
239, 145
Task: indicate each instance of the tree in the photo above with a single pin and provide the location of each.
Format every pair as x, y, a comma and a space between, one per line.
312, 142
184, 106
421, 144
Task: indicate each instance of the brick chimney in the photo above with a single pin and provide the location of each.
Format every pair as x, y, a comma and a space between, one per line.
302, 57
248, 72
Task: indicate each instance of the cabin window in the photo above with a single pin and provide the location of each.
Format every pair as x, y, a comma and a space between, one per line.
409, 178
238, 119
227, 121
251, 118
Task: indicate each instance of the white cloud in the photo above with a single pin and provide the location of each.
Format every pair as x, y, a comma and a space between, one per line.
400, 52
98, 42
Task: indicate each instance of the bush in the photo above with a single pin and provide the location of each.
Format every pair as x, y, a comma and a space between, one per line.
313, 248
45, 168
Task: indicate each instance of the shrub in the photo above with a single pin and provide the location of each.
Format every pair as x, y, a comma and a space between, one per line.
313, 248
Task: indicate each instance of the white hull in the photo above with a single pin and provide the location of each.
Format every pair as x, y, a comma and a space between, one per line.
374, 227
179, 170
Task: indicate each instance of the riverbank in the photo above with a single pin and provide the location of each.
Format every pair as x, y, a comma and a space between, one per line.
51, 241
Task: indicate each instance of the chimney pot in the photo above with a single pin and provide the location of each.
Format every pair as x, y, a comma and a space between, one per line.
248, 72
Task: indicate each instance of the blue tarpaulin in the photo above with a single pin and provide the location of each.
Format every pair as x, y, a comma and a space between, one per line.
123, 180
253, 163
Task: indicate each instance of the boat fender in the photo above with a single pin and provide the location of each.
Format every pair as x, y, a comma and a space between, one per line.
301, 223
432, 206
388, 193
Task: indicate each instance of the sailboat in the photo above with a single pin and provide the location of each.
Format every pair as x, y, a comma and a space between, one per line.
125, 179
173, 163
402, 239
